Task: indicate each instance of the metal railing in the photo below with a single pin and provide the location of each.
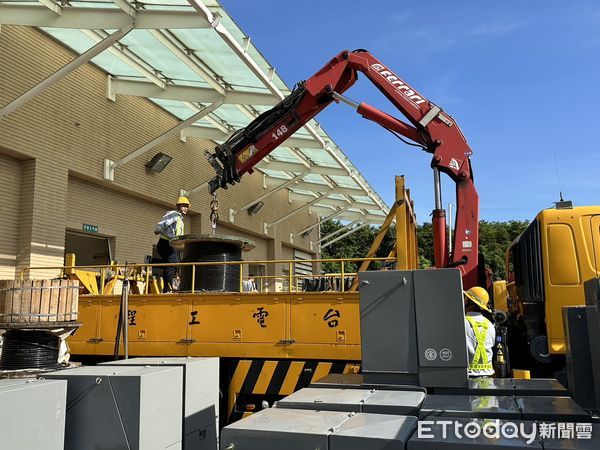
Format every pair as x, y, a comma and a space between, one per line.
143, 272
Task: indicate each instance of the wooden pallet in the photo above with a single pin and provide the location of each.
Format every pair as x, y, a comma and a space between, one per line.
38, 301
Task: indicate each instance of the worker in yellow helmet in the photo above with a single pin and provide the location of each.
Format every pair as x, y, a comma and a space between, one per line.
169, 228
481, 334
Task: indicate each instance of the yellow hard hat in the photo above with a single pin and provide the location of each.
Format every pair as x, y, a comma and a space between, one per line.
183, 201
479, 296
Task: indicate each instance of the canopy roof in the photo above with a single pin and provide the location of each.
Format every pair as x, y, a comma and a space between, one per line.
190, 58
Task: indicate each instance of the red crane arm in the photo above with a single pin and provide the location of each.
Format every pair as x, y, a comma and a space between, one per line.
429, 127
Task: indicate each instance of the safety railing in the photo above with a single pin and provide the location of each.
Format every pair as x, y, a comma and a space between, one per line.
291, 281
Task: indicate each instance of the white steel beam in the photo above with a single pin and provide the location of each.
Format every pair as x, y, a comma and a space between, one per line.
203, 132
297, 210
60, 73
190, 94
217, 123
125, 7
336, 232
286, 166
272, 191
320, 221
352, 231
128, 58
52, 6
167, 134
97, 18
301, 197
309, 186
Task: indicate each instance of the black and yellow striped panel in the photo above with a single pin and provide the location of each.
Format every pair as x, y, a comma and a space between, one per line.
276, 379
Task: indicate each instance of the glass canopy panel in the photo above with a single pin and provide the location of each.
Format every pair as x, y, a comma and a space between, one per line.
362, 199
314, 178
344, 181
155, 54
233, 116
176, 108
80, 42
284, 154
275, 174
337, 196
319, 156
217, 55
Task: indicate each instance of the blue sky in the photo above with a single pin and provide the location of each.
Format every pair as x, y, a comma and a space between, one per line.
522, 80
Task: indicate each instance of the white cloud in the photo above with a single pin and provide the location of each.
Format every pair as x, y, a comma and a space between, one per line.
497, 28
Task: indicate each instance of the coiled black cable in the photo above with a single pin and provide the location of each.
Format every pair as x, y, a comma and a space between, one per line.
29, 349
219, 277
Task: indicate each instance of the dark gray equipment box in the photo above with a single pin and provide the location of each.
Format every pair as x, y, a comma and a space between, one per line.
580, 371
277, 429
484, 406
355, 400
137, 408
412, 327
292, 429
431, 436
32, 414
587, 437
547, 387
373, 432
200, 396
358, 381
481, 386
557, 409
508, 386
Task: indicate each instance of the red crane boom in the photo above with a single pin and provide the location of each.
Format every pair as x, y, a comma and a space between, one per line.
429, 127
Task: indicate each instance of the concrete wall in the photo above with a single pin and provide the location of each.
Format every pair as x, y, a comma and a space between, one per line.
51, 160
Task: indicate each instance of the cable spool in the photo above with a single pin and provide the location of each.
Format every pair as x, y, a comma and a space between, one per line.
212, 248
33, 349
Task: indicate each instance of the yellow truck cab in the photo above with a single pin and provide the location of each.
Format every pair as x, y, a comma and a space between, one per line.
547, 265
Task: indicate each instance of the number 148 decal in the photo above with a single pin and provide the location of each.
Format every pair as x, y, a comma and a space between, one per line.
279, 132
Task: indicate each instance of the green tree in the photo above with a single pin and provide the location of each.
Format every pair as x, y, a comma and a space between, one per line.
494, 239
356, 245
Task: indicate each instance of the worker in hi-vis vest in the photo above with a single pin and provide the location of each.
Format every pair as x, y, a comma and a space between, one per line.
481, 334
169, 228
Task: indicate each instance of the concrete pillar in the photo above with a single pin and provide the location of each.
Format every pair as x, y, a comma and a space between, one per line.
42, 217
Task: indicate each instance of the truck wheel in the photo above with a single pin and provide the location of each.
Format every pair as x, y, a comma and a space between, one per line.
538, 347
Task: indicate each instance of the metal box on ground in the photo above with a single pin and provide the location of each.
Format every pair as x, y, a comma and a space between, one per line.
291, 429
355, 400
373, 432
345, 400
481, 386
557, 409
580, 371
405, 337
359, 381
508, 386
32, 414
394, 402
484, 406
200, 396
276, 429
547, 387
136, 408
431, 435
